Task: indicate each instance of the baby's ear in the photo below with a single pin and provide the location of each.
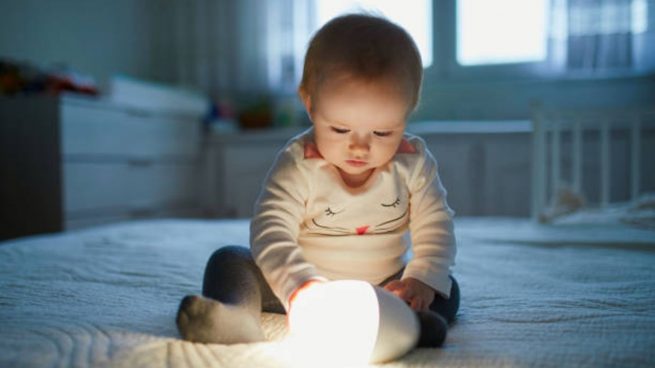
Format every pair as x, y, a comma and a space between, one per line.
306, 99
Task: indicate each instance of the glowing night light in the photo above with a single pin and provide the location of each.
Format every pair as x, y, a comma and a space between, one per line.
351, 322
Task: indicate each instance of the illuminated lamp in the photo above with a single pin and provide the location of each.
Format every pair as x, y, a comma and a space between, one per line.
351, 322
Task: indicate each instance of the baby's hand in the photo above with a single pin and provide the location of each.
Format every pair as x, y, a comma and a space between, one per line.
304, 286
417, 294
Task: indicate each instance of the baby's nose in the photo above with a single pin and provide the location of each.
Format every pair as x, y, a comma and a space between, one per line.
359, 145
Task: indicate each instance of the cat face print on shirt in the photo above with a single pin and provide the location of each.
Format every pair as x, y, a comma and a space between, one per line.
365, 217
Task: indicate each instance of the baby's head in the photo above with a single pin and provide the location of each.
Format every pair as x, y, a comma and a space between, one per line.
361, 80
363, 48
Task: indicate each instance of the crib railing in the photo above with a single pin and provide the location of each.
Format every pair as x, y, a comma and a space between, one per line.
550, 126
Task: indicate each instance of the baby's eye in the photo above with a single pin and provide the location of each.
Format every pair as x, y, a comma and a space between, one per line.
382, 134
329, 212
394, 204
340, 130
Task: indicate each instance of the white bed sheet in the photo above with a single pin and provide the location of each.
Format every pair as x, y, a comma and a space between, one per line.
532, 296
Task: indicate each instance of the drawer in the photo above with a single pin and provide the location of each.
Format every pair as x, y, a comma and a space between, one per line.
91, 130
259, 159
137, 187
245, 181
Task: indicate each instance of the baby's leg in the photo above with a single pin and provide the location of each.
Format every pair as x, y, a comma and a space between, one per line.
434, 322
447, 308
229, 311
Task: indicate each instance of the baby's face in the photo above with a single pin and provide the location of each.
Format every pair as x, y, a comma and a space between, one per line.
358, 125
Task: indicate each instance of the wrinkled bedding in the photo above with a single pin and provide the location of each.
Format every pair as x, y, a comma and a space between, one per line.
532, 296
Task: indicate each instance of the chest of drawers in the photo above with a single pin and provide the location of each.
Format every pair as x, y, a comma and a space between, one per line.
69, 162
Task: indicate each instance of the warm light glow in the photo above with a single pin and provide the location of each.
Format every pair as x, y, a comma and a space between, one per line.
335, 322
347, 322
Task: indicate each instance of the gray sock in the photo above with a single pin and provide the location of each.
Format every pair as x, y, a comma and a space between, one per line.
206, 320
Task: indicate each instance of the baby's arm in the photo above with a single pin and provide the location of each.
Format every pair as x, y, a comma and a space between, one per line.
275, 227
431, 227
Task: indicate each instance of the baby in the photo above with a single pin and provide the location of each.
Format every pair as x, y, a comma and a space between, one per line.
341, 197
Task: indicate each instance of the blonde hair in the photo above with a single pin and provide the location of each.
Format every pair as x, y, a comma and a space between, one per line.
363, 47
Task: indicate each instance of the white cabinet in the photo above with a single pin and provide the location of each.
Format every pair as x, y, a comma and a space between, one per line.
69, 162
240, 162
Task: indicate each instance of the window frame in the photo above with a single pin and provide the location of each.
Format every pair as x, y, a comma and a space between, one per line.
446, 68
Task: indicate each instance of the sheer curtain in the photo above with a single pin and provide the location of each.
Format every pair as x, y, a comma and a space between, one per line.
601, 36
290, 25
228, 47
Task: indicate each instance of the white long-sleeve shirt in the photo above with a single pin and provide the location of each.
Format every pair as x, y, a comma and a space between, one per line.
308, 224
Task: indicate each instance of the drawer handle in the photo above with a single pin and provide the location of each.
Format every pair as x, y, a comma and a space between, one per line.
140, 162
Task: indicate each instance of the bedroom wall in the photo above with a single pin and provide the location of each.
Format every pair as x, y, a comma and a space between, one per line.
513, 99
93, 37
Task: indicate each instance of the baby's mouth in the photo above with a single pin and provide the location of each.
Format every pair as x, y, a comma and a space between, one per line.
356, 163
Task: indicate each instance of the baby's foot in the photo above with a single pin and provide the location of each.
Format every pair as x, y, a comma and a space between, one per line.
433, 329
205, 320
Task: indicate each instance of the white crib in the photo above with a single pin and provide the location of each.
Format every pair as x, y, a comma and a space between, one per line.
583, 127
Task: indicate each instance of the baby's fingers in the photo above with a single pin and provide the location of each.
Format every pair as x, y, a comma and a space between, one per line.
406, 294
393, 285
418, 304
397, 288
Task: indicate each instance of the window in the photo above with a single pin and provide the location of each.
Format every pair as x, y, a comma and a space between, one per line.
415, 16
550, 38
483, 39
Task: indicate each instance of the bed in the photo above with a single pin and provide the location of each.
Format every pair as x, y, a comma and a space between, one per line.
533, 295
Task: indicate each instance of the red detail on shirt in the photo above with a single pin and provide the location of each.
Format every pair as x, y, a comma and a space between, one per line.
406, 147
311, 150
361, 230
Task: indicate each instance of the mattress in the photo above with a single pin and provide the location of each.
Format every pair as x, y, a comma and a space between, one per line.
532, 296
